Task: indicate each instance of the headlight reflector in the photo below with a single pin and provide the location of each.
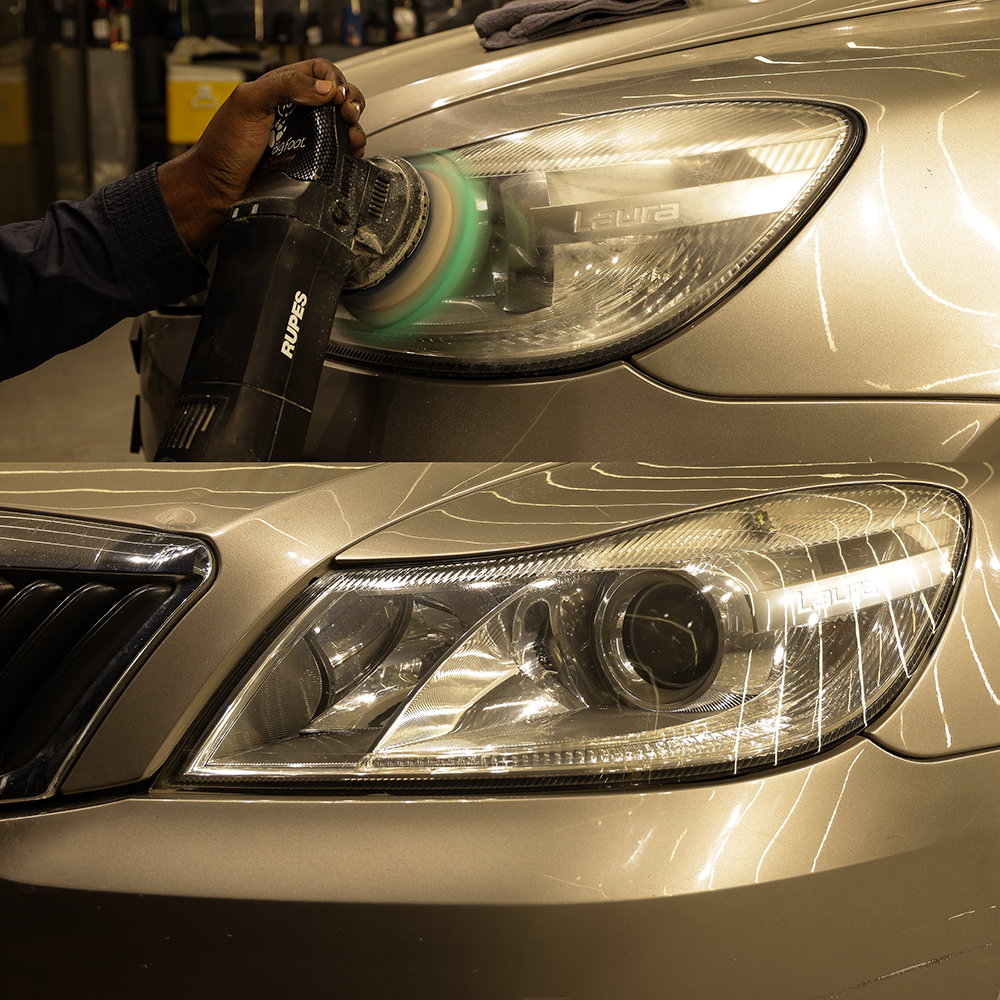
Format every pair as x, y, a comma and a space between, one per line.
720, 640
659, 638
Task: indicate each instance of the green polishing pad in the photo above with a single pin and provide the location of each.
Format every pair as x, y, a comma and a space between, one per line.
444, 262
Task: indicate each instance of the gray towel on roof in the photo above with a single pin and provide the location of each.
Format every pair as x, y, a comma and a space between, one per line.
523, 21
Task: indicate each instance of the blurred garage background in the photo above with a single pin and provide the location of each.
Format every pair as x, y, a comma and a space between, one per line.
92, 90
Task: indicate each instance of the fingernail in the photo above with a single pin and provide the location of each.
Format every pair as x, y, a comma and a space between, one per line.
357, 105
323, 86
343, 92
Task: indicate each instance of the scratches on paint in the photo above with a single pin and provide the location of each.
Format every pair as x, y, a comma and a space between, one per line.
903, 971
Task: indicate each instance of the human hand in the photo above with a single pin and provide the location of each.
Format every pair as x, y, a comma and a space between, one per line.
201, 184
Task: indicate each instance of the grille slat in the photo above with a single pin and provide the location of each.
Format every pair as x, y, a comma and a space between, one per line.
55, 695
37, 656
81, 605
24, 613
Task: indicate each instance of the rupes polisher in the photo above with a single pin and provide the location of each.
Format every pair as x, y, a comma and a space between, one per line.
315, 221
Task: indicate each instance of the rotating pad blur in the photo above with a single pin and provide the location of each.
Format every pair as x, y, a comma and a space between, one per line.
445, 261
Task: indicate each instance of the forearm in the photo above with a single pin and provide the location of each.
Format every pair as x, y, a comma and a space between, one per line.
197, 210
67, 277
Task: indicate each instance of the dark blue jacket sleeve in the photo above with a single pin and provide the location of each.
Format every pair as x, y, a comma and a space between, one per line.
67, 277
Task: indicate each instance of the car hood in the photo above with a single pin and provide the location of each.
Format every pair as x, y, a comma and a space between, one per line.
289, 521
314, 509
406, 81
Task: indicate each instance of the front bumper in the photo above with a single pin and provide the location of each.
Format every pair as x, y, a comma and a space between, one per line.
864, 872
371, 415
861, 874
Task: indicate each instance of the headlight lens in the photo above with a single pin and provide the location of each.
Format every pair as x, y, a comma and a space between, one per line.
608, 233
722, 640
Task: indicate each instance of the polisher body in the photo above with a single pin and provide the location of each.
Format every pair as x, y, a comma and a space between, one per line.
315, 219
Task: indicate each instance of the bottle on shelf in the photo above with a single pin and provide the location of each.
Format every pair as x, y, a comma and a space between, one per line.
313, 35
121, 25
100, 25
352, 24
66, 12
375, 28
407, 20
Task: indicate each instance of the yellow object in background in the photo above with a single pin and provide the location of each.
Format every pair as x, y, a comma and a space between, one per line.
15, 123
194, 93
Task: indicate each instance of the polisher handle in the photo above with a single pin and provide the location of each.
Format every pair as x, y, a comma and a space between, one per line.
251, 380
283, 257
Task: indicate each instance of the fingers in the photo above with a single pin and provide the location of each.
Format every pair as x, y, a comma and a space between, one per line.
201, 184
312, 82
351, 101
358, 139
352, 104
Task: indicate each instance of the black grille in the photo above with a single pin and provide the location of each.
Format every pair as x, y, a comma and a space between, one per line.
80, 606
57, 633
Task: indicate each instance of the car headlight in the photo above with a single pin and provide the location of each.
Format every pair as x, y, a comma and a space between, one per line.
609, 233
717, 641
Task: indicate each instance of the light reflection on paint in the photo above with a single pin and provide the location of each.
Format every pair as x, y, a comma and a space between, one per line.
784, 823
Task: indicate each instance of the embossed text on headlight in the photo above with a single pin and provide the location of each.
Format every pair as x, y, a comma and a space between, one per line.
715, 641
